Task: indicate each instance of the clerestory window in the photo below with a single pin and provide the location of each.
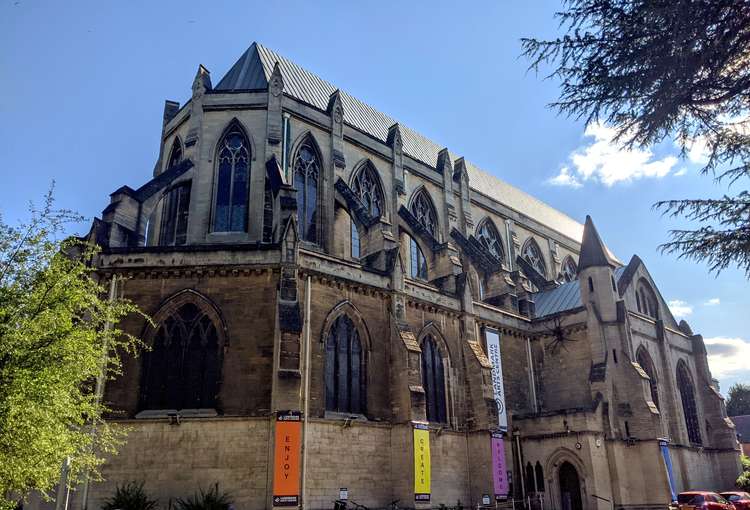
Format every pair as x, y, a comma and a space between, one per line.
306, 174
366, 184
174, 215
232, 188
424, 212
488, 235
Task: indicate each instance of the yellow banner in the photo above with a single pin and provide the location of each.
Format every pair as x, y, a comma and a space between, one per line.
421, 463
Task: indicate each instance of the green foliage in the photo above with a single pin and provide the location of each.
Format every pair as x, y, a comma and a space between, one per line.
675, 70
738, 400
743, 481
57, 335
130, 496
211, 499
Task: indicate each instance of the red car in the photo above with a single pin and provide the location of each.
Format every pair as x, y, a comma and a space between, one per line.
702, 500
740, 500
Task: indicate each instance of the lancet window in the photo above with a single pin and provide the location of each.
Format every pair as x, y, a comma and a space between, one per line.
689, 409
488, 235
644, 360
424, 212
366, 185
174, 215
433, 381
306, 174
533, 255
345, 368
232, 189
569, 270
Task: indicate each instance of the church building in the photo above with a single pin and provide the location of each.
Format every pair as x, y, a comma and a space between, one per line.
343, 309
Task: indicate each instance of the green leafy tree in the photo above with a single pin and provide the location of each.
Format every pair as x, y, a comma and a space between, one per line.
738, 400
666, 69
57, 335
743, 481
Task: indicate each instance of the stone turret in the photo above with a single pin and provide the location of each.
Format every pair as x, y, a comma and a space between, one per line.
596, 276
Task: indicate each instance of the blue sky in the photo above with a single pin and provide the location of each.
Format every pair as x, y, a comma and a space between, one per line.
84, 85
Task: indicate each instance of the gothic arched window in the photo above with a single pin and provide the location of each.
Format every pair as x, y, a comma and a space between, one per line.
529, 478
644, 360
646, 300
182, 369
345, 368
306, 173
689, 409
233, 181
569, 270
366, 184
488, 235
539, 477
423, 210
433, 381
175, 155
174, 215
533, 255
417, 260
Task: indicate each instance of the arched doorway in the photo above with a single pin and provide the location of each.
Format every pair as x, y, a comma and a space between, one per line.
570, 488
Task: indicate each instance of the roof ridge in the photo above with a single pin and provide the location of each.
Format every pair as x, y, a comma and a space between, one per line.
310, 88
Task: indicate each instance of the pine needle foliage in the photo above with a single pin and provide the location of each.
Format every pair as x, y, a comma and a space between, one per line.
58, 330
676, 70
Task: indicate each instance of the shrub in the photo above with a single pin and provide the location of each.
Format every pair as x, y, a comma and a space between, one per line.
130, 496
211, 499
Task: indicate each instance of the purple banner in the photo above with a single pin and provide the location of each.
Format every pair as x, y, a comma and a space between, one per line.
499, 474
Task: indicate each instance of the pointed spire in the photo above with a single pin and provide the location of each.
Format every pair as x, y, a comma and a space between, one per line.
276, 82
593, 251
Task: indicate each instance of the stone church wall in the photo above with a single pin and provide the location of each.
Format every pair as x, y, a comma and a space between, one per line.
174, 461
246, 304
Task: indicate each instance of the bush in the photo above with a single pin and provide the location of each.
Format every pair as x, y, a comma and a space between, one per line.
130, 496
211, 499
743, 482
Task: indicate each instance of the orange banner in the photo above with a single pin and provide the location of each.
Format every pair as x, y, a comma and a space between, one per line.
286, 474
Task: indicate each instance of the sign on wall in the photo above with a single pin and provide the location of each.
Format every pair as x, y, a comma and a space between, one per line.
421, 463
499, 473
493, 352
286, 459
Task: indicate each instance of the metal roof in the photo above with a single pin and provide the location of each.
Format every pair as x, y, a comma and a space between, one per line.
563, 298
254, 68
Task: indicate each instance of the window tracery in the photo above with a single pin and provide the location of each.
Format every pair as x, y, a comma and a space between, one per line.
689, 409
366, 185
646, 300
433, 381
233, 160
533, 255
174, 215
488, 235
175, 155
345, 368
182, 369
424, 211
569, 270
306, 174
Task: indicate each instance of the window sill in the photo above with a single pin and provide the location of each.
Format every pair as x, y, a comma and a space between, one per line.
335, 415
170, 413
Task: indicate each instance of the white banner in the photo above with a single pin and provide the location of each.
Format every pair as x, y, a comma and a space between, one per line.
493, 351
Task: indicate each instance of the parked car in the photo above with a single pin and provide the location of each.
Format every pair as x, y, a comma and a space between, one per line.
702, 500
740, 500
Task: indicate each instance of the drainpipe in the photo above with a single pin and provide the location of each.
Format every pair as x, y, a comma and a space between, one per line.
98, 395
532, 381
285, 146
520, 481
307, 393
509, 242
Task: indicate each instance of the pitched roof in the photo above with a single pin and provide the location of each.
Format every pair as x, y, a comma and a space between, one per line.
253, 70
563, 298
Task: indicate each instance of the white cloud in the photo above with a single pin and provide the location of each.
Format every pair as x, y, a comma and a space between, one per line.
680, 308
712, 302
604, 161
698, 151
726, 355
565, 178
682, 171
